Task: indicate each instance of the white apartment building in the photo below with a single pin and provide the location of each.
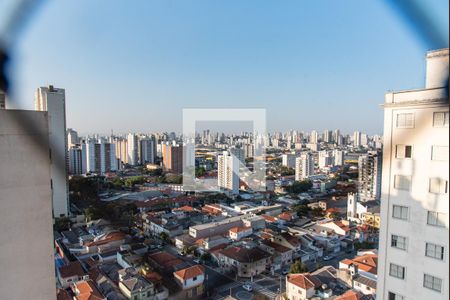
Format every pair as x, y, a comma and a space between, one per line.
304, 166
357, 139
132, 149
326, 159
369, 176
72, 138
288, 160
75, 161
147, 150
53, 100
228, 173
338, 157
414, 236
314, 137
100, 156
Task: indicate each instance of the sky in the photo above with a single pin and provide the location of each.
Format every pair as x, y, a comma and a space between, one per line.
134, 65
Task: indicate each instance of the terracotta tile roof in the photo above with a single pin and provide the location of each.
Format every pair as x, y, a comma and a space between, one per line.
185, 208
285, 216
277, 247
305, 281
86, 290
191, 272
109, 237
367, 262
342, 226
269, 219
244, 255
239, 229
164, 259
72, 269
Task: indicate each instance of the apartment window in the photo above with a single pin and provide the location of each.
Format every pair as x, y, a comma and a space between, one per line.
438, 186
394, 296
432, 282
402, 182
436, 218
439, 153
440, 119
434, 251
400, 212
398, 241
405, 120
397, 271
403, 151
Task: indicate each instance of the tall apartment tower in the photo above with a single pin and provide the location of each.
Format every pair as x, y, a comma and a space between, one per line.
356, 139
288, 160
132, 149
304, 166
228, 173
414, 238
314, 137
147, 150
172, 158
369, 176
75, 160
100, 156
239, 153
72, 138
53, 100
26, 240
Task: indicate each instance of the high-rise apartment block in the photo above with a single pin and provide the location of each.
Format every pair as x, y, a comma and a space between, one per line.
288, 160
304, 166
53, 100
228, 173
414, 237
172, 158
100, 156
369, 176
76, 161
132, 149
147, 150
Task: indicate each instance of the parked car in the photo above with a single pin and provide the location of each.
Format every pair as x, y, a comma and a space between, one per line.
248, 287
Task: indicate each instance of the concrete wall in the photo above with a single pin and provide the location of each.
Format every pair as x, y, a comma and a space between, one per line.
26, 248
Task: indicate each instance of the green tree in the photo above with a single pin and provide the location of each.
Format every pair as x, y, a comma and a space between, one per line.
62, 224
298, 267
200, 172
164, 236
299, 187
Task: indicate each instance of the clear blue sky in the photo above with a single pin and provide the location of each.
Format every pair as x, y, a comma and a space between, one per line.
134, 65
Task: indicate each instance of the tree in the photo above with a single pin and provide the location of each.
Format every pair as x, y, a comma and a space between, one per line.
200, 172
299, 187
62, 224
163, 236
298, 267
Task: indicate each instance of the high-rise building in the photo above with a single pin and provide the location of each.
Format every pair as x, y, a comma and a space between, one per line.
100, 156
53, 100
337, 138
414, 238
326, 159
327, 136
75, 161
288, 160
228, 173
26, 241
121, 149
357, 139
369, 176
172, 158
249, 150
147, 150
239, 153
304, 166
338, 157
132, 149
314, 137
72, 138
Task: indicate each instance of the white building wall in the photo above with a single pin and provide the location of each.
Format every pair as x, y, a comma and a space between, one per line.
26, 239
420, 167
53, 100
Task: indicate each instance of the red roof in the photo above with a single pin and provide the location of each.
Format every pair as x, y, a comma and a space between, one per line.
367, 262
351, 295
305, 281
191, 272
72, 269
86, 290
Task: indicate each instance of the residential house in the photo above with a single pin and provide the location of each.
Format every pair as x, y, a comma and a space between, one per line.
237, 233
243, 261
71, 273
191, 281
86, 290
281, 255
301, 286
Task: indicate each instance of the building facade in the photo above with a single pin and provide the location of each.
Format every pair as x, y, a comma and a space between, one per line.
414, 236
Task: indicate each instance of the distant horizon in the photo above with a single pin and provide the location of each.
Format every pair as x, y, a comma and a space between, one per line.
133, 68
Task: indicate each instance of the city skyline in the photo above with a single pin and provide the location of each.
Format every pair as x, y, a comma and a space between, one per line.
191, 56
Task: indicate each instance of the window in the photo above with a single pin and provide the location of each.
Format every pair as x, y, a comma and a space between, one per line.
438, 186
403, 151
393, 296
400, 212
402, 182
398, 242
440, 119
432, 282
405, 120
434, 251
194, 278
436, 218
439, 153
397, 271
